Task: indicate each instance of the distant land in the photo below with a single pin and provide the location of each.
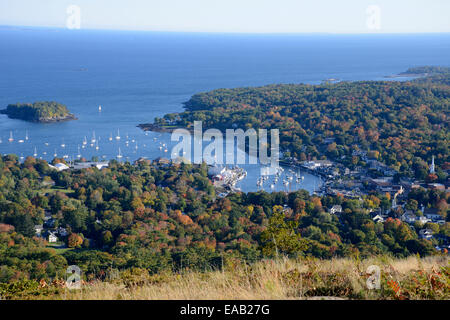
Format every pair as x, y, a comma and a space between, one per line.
42, 112
422, 71
401, 124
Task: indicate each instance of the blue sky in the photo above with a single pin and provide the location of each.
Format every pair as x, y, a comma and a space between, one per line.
256, 16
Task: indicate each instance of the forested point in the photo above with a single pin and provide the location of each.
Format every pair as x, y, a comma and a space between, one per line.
401, 124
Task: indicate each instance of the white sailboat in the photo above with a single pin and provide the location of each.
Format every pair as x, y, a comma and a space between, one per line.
78, 155
110, 137
96, 146
119, 155
84, 141
99, 108
63, 145
55, 154
93, 137
26, 135
35, 152
118, 135
11, 139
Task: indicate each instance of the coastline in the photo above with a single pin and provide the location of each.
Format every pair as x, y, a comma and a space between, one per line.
69, 117
156, 128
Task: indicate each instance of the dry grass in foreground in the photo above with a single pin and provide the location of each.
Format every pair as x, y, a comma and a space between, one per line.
411, 278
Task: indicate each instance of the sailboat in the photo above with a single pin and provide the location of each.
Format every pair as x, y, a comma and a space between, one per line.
84, 141
93, 137
99, 108
96, 146
78, 155
63, 145
110, 137
35, 152
119, 155
26, 135
118, 135
10, 137
55, 154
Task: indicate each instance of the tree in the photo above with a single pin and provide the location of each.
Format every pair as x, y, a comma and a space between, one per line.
281, 237
74, 241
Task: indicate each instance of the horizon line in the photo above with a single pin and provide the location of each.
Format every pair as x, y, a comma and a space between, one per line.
5, 26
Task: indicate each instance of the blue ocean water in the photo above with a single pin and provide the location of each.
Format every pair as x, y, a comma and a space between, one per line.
137, 76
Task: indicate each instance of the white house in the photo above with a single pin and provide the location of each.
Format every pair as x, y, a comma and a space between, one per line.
336, 209
426, 234
38, 229
378, 218
59, 166
85, 165
52, 238
423, 219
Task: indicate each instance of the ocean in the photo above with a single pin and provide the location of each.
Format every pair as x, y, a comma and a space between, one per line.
137, 76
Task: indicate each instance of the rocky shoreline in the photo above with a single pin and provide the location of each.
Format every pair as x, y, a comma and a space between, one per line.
69, 117
157, 128
57, 119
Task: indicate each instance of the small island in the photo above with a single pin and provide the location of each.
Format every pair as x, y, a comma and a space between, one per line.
42, 112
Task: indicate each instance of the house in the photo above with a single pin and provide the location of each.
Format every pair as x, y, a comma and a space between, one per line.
378, 218
222, 195
423, 219
432, 214
91, 164
336, 209
436, 186
426, 234
52, 238
38, 229
408, 217
62, 232
216, 171
162, 162
59, 166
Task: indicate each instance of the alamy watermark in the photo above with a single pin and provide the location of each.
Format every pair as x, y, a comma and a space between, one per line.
191, 149
73, 20
73, 281
374, 281
373, 21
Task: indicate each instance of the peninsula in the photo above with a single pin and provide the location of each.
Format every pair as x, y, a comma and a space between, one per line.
42, 112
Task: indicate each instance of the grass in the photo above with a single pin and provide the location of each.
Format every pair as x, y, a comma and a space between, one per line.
410, 278
57, 247
56, 189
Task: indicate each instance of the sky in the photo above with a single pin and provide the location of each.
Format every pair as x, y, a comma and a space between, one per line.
248, 16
